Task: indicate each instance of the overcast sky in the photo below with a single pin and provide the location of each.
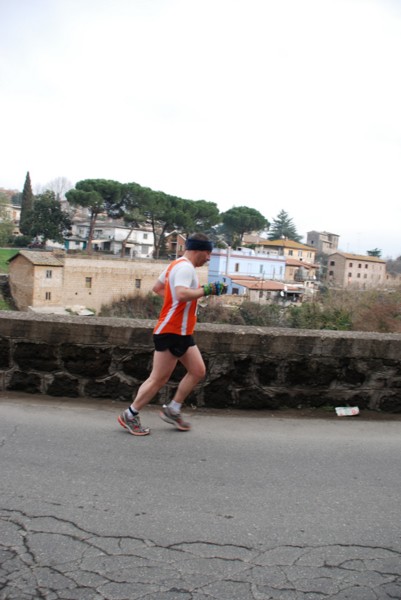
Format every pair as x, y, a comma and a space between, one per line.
272, 104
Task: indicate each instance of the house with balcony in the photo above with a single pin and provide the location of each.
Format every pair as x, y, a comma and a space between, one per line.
112, 237
175, 244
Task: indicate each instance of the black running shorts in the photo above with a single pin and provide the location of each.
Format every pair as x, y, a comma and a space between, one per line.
177, 344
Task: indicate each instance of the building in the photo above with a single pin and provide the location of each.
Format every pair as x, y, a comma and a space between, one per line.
245, 261
264, 292
288, 249
262, 276
175, 244
322, 241
112, 237
352, 270
53, 281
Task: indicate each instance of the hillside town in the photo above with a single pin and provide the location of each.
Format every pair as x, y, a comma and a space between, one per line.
101, 263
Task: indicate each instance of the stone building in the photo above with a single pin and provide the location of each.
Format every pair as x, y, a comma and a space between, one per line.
51, 281
353, 270
323, 241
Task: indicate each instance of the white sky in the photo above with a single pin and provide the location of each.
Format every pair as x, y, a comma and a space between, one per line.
272, 104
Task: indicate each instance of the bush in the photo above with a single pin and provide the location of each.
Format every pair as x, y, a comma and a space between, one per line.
262, 315
217, 313
138, 307
312, 315
20, 241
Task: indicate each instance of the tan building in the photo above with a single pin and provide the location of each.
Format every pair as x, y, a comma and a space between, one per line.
352, 270
287, 248
51, 281
300, 271
323, 241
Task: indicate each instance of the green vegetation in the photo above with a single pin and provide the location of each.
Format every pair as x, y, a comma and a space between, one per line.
5, 255
374, 311
283, 227
240, 220
4, 305
48, 221
27, 202
137, 307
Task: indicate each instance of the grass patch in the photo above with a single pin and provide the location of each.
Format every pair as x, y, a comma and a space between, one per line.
5, 255
4, 305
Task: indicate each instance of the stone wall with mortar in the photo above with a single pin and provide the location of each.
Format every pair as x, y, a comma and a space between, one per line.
247, 367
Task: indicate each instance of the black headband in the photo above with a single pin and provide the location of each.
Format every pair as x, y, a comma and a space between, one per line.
194, 244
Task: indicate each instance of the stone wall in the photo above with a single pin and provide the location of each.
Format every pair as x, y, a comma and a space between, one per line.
90, 281
247, 367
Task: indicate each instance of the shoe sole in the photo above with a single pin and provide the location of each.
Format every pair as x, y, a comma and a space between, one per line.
172, 422
123, 424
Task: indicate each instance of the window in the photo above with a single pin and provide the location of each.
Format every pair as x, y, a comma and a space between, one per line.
359, 266
48, 274
349, 274
260, 293
350, 265
358, 275
331, 273
137, 283
260, 268
88, 282
332, 263
236, 268
145, 236
366, 266
290, 252
235, 291
48, 296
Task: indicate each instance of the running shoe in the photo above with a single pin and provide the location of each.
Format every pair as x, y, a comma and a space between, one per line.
132, 425
174, 419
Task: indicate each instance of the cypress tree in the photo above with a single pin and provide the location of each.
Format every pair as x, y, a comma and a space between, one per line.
26, 206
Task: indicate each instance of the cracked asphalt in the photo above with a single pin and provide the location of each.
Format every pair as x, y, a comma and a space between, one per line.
257, 506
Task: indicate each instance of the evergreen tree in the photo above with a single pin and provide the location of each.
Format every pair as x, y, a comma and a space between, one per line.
283, 227
26, 206
48, 221
240, 220
375, 252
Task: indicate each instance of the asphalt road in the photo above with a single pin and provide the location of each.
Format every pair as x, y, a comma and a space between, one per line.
245, 506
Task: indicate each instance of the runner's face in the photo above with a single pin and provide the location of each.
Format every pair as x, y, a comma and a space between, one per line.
203, 257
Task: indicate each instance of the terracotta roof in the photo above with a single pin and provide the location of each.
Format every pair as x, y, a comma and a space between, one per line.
286, 244
359, 257
293, 262
46, 259
259, 284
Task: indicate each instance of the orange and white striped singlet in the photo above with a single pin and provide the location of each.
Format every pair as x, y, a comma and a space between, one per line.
177, 317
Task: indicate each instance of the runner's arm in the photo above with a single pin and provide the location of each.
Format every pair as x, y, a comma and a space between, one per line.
186, 294
158, 288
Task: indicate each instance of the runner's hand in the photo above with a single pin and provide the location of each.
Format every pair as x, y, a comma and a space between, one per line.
215, 289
